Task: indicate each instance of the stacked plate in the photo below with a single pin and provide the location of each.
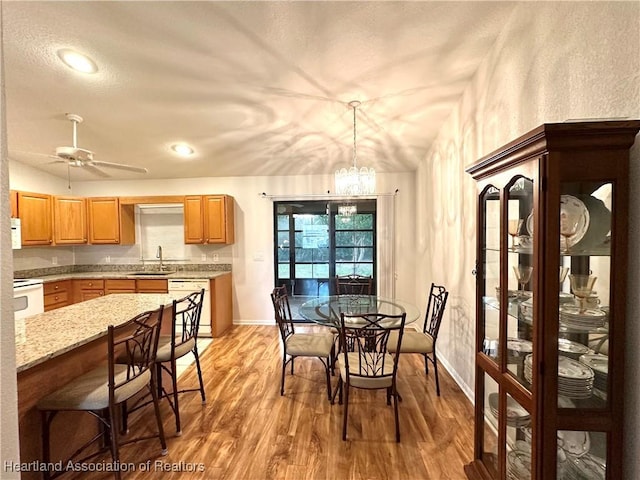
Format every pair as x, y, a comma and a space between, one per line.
572, 349
600, 366
517, 348
587, 466
575, 379
518, 465
584, 320
517, 416
528, 370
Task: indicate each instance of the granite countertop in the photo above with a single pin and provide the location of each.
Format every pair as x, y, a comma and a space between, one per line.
207, 274
46, 335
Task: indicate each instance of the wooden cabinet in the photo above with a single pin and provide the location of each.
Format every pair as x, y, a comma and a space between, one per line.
110, 222
86, 289
13, 200
209, 219
221, 304
152, 285
119, 285
552, 219
34, 211
57, 294
69, 220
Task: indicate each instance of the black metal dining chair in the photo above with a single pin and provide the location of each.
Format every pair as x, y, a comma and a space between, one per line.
424, 342
365, 362
354, 285
319, 345
131, 351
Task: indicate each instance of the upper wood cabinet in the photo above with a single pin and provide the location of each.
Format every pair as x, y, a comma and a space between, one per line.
34, 210
109, 222
13, 199
69, 220
209, 219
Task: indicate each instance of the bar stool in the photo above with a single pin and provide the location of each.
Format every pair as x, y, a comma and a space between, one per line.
131, 351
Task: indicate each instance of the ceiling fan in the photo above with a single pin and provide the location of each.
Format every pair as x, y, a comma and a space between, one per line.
80, 157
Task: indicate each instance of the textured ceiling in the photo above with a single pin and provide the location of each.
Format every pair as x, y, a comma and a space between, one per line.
257, 88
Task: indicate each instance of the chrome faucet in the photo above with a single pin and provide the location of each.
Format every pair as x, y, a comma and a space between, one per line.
159, 255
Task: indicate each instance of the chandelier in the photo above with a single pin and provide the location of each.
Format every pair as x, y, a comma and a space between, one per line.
354, 181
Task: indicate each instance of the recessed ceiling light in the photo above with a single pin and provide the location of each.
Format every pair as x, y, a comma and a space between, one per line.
182, 149
77, 61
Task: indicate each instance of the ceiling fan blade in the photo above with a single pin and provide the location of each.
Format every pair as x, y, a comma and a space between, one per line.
95, 170
121, 166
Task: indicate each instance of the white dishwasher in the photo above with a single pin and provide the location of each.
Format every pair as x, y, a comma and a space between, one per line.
184, 287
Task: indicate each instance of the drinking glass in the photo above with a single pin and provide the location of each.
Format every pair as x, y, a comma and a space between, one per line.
582, 288
513, 229
523, 274
563, 274
569, 222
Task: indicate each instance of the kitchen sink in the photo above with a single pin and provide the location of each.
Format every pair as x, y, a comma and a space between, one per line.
152, 274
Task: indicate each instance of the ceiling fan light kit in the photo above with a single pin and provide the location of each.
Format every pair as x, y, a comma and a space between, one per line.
75, 156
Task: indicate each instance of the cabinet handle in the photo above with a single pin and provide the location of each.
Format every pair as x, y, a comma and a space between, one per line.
56, 287
56, 297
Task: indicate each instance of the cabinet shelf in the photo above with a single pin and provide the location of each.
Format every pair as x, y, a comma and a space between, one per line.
543, 354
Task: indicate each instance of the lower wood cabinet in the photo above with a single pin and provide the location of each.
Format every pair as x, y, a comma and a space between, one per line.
57, 294
119, 285
152, 285
87, 289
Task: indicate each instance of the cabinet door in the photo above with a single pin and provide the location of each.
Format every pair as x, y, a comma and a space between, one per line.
34, 210
14, 203
104, 220
69, 220
193, 219
149, 285
218, 219
119, 285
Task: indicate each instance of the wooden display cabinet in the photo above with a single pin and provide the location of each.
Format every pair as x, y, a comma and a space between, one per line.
552, 214
209, 219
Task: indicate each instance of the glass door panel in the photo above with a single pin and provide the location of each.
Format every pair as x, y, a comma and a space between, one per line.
519, 203
585, 213
518, 440
490, 426
582, 455
492, 298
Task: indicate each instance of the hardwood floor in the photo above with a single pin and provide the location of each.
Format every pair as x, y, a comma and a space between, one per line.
248, 431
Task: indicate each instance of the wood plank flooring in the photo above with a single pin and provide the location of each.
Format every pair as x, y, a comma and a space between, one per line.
247, 431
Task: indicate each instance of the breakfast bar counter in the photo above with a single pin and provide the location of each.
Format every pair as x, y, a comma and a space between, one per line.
53, 348
47, 335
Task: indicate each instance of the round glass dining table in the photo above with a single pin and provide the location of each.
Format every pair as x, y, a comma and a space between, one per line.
327, 310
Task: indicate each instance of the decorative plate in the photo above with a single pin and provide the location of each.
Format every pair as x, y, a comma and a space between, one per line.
574, 206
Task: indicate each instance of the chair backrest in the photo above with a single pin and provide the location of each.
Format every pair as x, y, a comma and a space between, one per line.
435, 310
353, 285
133, 343
363, 342
282, 311
186, 318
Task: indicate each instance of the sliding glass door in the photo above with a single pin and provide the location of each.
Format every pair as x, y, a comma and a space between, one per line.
314, 243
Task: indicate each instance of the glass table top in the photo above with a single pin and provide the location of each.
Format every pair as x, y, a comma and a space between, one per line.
327, 310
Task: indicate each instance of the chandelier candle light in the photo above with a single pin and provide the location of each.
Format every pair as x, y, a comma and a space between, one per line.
354, 181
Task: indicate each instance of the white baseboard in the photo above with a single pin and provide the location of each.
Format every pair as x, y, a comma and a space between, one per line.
463, 386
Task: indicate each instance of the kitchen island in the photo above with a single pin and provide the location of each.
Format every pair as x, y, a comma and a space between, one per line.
55, 347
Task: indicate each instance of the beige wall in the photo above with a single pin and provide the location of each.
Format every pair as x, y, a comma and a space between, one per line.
568, 61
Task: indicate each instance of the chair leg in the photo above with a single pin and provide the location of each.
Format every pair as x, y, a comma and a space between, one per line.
335, 392
327, 369
46, 452
291, 365
174, 383
115, 448
197, 357
395, 407
156, 408
284, 368
346, 412
435, 369
426, 364
125, 417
